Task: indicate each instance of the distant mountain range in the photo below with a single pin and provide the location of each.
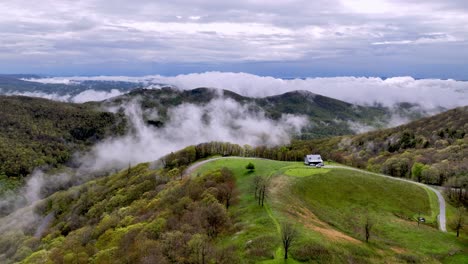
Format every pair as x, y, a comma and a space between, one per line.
18, 84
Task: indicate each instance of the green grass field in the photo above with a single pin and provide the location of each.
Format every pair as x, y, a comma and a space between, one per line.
329, 207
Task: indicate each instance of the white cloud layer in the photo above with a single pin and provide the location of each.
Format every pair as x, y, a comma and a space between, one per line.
428, 93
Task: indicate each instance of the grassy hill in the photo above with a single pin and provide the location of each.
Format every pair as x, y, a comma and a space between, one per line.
329, 207
143, 215
432, 150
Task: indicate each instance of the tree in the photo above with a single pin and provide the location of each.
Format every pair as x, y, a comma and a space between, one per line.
215, 218
416, 171
263, 192
227, 187
261, 189
257, 182
250, 167
368, 225
200, 247
227, 192
288, 236
459, 220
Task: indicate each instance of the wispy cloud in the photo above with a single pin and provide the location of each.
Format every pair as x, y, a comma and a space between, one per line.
428, 39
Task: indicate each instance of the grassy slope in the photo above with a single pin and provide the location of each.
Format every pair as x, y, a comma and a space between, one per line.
329, 204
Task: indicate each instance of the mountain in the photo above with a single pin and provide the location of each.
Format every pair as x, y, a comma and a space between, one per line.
60, 129
327, 116
38, 132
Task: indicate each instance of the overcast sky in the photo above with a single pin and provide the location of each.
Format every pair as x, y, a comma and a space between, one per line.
283, 38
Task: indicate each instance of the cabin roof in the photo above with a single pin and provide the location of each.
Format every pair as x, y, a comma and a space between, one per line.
314, 157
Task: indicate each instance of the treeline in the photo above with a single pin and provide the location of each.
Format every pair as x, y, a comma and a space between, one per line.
138, 215
37, 132
188, 155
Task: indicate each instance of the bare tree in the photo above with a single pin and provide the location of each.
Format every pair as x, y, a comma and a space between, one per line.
368, 225
288, 236
459, 220
257, 182
215, 218
262, 190
228, 191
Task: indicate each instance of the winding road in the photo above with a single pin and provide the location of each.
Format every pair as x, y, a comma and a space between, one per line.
441, 217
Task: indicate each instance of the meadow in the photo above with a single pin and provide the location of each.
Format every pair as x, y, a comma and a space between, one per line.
329, 208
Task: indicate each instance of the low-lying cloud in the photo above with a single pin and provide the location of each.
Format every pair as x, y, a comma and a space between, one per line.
90, 95
429, 93
189, 124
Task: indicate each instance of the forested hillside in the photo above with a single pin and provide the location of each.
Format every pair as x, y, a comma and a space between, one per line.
136, 216
38, 132
149, 214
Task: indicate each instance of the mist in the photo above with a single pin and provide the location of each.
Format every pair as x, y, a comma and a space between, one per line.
222, 119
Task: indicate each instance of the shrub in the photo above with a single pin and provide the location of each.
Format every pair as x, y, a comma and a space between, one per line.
311, 252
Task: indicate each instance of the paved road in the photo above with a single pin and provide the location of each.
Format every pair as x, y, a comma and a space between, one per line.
441, 217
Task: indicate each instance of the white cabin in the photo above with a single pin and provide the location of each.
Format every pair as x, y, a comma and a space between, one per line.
313, 160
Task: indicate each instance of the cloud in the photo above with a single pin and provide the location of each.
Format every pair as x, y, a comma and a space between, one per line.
92, 36
428, 39
90, 95
219, 120
428, 93
51, 96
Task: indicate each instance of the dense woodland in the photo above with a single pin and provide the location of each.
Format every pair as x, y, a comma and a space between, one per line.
138, 215
38, 132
